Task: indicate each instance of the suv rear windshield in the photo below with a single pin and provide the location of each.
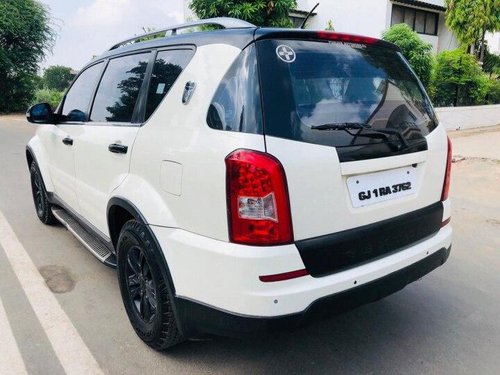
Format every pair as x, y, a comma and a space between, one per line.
362, 99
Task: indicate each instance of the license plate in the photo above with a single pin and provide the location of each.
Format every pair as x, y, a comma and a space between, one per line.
382, 186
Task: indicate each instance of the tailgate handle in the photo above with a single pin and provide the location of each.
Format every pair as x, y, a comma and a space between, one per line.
117, 148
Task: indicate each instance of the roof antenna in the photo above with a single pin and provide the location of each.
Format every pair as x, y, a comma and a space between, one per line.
307, 17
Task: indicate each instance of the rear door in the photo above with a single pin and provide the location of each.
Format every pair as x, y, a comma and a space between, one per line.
104, 145
355, 132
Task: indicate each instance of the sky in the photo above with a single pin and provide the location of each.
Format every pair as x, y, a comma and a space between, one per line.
86, 28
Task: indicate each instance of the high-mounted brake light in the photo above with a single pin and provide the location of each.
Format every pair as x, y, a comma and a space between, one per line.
447, 176
339, 37
257, 199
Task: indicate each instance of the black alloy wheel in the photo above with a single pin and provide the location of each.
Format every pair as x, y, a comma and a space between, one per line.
42, 205
147, 294
141, 286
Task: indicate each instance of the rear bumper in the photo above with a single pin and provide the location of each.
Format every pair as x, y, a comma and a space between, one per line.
198, 318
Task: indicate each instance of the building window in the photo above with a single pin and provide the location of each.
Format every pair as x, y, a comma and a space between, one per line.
297, 21
421, 21
298, 16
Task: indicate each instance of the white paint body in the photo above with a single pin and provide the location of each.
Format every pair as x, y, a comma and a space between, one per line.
174, 173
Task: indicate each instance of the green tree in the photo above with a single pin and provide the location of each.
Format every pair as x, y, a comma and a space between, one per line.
417, 52
25, 37
57, 77
259, 12
470, 20
458, 80
491, 63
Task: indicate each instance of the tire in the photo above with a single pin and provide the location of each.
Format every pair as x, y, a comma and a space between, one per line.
146, 294
43, 207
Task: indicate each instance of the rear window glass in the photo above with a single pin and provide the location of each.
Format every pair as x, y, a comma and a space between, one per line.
306, 84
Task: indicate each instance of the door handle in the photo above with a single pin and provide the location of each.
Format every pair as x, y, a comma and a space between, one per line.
117, 148
67, 141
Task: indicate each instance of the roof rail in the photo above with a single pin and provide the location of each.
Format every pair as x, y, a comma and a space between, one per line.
224, 22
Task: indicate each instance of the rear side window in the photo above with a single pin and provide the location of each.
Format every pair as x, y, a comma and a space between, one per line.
119, 88
168, 66
78, 98
309, 87
236, 105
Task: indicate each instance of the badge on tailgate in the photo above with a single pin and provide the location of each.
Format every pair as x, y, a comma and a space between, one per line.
381, 186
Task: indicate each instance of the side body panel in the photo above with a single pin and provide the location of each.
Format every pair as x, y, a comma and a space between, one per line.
177, 173
61, 160
99, 171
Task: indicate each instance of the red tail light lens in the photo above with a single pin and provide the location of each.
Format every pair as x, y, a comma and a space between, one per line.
257, 199
447, 176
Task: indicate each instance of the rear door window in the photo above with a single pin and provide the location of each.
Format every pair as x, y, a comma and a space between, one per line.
119, 89
167, 68
321, 83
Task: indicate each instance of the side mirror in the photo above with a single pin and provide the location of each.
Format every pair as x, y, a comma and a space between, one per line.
40, 114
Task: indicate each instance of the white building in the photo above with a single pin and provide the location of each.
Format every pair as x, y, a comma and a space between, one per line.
372, 17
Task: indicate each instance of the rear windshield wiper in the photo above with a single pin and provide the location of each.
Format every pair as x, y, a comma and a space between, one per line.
342, 126
384, 134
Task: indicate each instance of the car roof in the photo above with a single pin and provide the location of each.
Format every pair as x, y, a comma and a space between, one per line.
238, 34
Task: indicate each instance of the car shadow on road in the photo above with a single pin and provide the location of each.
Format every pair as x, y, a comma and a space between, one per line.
403, 331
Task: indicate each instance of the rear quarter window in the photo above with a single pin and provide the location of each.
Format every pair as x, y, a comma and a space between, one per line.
236, 105
167, 68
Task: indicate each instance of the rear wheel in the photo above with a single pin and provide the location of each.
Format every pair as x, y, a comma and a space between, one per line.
42, 205
145, 293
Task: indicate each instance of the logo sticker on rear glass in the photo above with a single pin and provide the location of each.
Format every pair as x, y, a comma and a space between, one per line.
285, 53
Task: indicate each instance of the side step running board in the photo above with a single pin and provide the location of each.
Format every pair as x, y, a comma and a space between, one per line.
93, 244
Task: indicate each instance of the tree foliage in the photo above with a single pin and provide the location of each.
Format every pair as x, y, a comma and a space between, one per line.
458, 80
471, 19
415, 50
57, 77
259, 12
491, 63
53, 97
25, 37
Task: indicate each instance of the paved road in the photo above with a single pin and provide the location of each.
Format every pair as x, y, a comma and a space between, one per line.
446, 323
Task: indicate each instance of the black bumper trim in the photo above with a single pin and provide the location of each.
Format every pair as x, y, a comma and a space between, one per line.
335, 252
198, 319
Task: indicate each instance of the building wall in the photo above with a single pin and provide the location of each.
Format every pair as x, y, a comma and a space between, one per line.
493, 42
371, 18
364, 17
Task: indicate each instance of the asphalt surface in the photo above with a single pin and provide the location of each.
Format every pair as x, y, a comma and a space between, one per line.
446, 323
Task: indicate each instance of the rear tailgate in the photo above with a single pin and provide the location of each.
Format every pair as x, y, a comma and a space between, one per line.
372, 182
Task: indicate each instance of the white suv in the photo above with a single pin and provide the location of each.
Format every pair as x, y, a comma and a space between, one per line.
246, 179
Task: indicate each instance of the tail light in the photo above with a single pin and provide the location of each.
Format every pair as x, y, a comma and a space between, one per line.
447, 176
257, 199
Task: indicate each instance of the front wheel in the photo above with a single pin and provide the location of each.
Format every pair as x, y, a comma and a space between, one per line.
144, 290
42, 205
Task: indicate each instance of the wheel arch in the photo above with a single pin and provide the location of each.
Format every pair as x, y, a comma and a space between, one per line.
34, 152
119, 211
